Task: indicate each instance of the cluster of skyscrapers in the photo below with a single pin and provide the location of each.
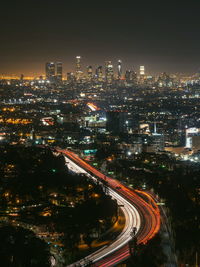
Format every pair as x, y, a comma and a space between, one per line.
54, 72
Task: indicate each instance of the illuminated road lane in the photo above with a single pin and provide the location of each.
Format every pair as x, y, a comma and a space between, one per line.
132, 219
138, 212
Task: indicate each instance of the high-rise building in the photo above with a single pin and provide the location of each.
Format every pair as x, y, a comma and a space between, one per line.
109, 72
50, 71
78, 63
119, 69
134, 77
190, 133
78, 68
59, 71
99, 74
142, 75
142, 70
89, 73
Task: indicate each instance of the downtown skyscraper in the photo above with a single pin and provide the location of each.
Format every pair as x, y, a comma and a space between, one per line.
119, 69
50, 71
109, 72
54, 71
78, 68
59, 71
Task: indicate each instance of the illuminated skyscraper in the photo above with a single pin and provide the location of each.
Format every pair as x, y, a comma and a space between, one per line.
78, 63
99, 74
142, 70
89, 73
119, 69
78, 68
134, 77
59, 71
50, 71
109, 72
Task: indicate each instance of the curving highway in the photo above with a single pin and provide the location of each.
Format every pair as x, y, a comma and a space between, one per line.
142, 213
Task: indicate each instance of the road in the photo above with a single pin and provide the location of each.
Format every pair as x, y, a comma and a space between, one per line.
139, 213
167, 236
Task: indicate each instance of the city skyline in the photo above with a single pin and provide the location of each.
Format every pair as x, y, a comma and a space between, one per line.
41, 70
161, 38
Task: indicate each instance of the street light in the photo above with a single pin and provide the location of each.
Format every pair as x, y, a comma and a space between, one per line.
129, 153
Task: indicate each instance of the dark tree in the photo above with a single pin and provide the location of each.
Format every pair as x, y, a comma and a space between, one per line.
20, 248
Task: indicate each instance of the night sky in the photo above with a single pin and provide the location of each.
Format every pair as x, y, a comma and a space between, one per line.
162, 35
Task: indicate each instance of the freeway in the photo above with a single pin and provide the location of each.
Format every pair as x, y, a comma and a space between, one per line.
140, 213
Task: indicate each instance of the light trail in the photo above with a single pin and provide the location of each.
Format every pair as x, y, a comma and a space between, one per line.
145, 216
132, 219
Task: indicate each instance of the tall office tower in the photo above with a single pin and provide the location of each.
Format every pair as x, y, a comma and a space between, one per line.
99, 74
59, 71
109, 72
78, 68
119, 69
50, 71
134, 77
142, 70
89, 73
